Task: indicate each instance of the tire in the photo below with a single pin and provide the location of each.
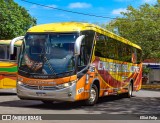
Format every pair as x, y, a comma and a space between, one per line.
130, 90
93, 96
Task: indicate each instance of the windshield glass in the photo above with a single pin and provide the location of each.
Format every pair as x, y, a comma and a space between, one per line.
48, 54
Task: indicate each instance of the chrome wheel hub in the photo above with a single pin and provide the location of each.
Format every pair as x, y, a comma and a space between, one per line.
92, 95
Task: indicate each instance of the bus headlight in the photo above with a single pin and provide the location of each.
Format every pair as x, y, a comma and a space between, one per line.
19, 83
65, 85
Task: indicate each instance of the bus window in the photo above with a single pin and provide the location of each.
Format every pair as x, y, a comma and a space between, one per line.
124, 52
84, 55
139, 56
111, 48
134, 55
14, 56
2, 52
119, 50
128, 53
100, 49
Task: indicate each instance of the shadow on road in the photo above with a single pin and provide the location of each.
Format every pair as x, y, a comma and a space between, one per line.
7, 94
134, 105
108, 105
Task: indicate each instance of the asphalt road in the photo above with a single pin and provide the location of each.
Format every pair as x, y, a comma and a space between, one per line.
145, 103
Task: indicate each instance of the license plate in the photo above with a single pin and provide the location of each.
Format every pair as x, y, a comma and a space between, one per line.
40, 93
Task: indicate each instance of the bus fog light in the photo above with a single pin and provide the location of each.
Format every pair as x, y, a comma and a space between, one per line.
70, 94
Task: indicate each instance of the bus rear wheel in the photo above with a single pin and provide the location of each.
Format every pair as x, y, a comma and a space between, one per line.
130, 90
93, 96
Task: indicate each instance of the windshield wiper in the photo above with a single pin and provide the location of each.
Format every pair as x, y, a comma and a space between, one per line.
47, 61
49, 65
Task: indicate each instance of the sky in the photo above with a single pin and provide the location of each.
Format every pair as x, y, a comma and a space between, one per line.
108, 9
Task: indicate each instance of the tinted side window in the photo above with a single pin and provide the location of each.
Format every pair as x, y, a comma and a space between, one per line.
3, 51
139, 56
126, 52
100, 49
111, 48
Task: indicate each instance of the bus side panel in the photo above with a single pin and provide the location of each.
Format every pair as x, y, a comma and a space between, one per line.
82, 89
8, 73
84, 86
8, 82
138, 79
106, 79
1, 81
115, 77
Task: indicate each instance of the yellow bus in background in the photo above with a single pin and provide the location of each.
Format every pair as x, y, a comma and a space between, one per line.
73, 61
8, 64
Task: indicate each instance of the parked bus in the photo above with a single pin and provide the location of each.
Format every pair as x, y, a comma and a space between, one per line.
74, 61
8, 64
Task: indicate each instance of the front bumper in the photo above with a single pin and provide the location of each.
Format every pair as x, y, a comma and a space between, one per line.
65, 94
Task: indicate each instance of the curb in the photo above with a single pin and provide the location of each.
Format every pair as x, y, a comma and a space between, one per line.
150, 86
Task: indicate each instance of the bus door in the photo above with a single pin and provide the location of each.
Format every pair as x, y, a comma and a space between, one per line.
83, 61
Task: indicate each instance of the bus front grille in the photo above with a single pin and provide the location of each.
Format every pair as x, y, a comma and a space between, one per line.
35, 87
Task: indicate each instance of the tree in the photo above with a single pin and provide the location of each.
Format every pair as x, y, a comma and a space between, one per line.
14, 19
141, 26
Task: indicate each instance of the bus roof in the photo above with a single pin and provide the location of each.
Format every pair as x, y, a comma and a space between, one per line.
77, 26
7, 42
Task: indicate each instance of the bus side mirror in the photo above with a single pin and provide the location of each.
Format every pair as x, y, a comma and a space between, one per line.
11, 46
77, 45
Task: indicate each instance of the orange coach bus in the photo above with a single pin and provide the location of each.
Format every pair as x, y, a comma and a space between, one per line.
73, 61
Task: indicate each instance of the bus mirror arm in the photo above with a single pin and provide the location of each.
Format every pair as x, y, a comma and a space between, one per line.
77, 45
11, 46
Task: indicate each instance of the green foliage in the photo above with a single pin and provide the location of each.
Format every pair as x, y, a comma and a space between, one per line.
141, 26
14, 19
146, 70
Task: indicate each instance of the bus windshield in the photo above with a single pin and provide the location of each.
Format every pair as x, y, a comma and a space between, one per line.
48, 54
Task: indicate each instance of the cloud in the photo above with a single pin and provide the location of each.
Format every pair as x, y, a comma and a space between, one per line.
47, 6
149, 1
79, 5
118, 11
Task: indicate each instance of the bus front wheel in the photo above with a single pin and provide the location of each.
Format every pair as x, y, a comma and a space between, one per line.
93, 96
